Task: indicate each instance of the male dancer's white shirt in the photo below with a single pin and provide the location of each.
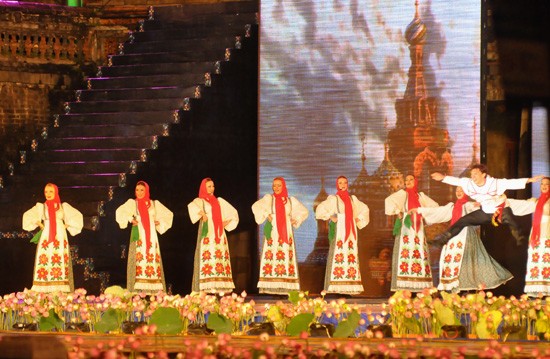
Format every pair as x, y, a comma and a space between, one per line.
490, 194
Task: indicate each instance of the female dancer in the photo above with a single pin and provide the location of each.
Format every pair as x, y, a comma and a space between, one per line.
537, 277
53, 271
145, 272
212, 269
410, 263
278, 266
346, 214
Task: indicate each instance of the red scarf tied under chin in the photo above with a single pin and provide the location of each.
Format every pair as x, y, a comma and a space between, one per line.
216, 210
143, 205
413, 201
350, 224
280, 202
53, 205
457, 209
535, 234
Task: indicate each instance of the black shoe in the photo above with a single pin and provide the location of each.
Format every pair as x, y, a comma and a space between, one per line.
441, 239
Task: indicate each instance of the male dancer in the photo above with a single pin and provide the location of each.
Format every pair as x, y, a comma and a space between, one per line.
489, 193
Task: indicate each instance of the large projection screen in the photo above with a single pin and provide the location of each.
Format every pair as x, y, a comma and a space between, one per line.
372, 90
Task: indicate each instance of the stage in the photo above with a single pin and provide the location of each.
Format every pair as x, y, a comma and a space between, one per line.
52, 345
75, 325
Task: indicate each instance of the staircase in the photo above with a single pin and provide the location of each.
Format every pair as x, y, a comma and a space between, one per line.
109, 134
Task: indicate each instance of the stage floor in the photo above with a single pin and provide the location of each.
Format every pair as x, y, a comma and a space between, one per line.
51, 345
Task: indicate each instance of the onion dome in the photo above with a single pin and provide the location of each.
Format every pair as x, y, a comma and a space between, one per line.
415, 34
360, 185
321, 196
387, 176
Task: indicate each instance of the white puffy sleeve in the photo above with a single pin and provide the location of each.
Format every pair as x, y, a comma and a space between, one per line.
33, 217
437, 214
74, 221
457, 181
164, 216
393, 204
504, 184
522, 207
326, 208
125, 213
362, 213
229, 213
262, 208
426, 201
299, 212
194, 208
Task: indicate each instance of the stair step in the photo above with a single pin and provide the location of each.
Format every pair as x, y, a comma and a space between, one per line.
25, 195
75, 167
206, 21
136, 93
125, 106
65, 179
189, 10
158, 69
186, 79
219, 43
187, 30
99, 142
119, 154
68, 122
195, 55
111, 130
78, 194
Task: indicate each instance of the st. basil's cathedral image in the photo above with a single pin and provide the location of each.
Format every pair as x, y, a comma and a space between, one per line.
419, 144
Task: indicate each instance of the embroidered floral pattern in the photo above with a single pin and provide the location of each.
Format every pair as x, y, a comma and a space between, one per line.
148, 262
345, 261
280, 270
43, 259
413, 262
338, 272
537, 279
279, 265
267, 269
214, 260
452, 255
51, 264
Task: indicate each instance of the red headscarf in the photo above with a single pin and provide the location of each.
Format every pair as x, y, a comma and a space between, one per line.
53, 205
143, 205
457, 209
413, 201
280, 201
345, 197
216, 210
535, 234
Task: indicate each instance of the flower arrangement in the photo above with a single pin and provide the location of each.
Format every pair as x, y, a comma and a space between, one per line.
231, 314
403, 316
426, 314
302, 314
542, 321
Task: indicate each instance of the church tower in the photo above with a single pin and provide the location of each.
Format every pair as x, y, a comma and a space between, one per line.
418, 144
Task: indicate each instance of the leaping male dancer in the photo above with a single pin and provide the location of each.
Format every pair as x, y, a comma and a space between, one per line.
489, 193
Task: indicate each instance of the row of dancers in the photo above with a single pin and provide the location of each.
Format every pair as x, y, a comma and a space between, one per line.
464, 263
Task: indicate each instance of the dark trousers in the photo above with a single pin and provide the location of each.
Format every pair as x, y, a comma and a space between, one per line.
479, 217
